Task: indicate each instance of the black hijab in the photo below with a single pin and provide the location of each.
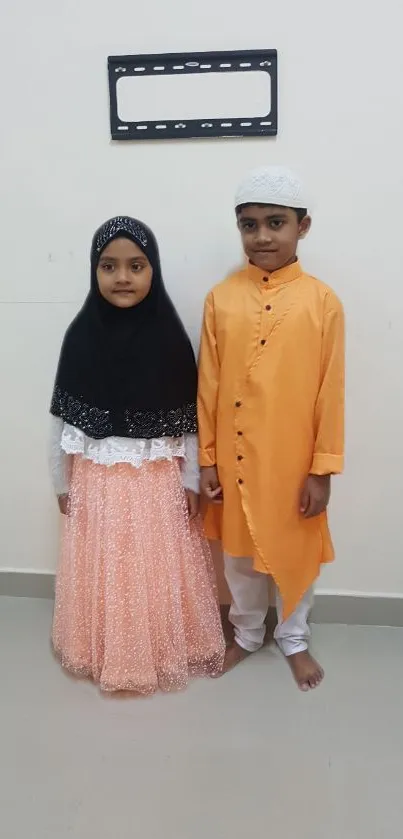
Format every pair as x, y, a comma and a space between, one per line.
127, 372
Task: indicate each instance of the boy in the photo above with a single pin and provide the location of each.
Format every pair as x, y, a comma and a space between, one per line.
271, 421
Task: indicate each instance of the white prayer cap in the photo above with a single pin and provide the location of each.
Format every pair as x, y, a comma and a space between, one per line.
272, 185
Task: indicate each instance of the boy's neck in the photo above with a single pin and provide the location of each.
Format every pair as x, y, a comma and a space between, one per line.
291, 261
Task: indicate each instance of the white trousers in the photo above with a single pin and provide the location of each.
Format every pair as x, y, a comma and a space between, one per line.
250, 603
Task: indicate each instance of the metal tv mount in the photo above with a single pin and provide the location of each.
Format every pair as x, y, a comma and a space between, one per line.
192, 95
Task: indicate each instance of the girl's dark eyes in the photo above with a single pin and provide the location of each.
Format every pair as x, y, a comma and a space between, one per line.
110, 266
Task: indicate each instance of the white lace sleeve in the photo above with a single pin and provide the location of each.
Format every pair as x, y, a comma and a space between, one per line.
59, 461
190, 467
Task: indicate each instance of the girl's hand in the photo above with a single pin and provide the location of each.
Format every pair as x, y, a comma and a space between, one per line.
315, 496
193, 504
210, 485
64, 504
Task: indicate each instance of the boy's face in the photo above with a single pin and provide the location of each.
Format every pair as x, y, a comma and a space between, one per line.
270, 235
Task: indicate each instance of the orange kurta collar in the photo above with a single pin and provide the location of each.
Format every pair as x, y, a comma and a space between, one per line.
277, 278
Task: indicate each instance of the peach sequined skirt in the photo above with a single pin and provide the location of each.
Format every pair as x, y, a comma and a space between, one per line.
136, 606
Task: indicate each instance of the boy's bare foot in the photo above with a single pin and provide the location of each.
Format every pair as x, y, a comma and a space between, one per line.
234, 655
307, 673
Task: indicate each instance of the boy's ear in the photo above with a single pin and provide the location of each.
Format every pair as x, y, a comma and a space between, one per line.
304, 227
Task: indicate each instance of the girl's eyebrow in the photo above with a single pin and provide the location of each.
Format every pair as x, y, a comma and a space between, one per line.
115, 259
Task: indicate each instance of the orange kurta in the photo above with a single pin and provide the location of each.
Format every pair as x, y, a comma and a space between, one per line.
271, 411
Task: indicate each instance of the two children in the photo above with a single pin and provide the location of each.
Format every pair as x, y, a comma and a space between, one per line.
136, 606
271, 416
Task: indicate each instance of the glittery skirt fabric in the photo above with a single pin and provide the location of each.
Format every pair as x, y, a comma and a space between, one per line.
136, 606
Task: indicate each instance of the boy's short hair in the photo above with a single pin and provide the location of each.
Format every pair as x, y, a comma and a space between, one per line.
273, 186
300, 211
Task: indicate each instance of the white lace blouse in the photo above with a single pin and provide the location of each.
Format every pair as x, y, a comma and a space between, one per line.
65, 441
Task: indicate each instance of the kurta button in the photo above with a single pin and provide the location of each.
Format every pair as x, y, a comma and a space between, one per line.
239, 433
240, 481
265, 279
268, 308
240, 457
238, 404
263, 342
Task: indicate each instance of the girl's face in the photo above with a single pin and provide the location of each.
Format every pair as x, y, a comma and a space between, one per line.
124, 273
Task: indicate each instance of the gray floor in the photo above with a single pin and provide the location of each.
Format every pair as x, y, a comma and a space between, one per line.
246, 756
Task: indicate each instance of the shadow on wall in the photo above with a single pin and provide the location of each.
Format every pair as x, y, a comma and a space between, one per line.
236, 268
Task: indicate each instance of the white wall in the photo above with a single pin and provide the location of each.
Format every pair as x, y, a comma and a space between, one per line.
341, 127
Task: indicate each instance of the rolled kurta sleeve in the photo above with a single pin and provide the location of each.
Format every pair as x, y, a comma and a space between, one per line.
329, 411
209, 372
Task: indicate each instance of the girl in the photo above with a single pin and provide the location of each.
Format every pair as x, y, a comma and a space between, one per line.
136, 606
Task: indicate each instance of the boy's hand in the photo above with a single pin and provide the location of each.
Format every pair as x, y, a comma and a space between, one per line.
210, 485
315, 495
193, 504
64, 504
